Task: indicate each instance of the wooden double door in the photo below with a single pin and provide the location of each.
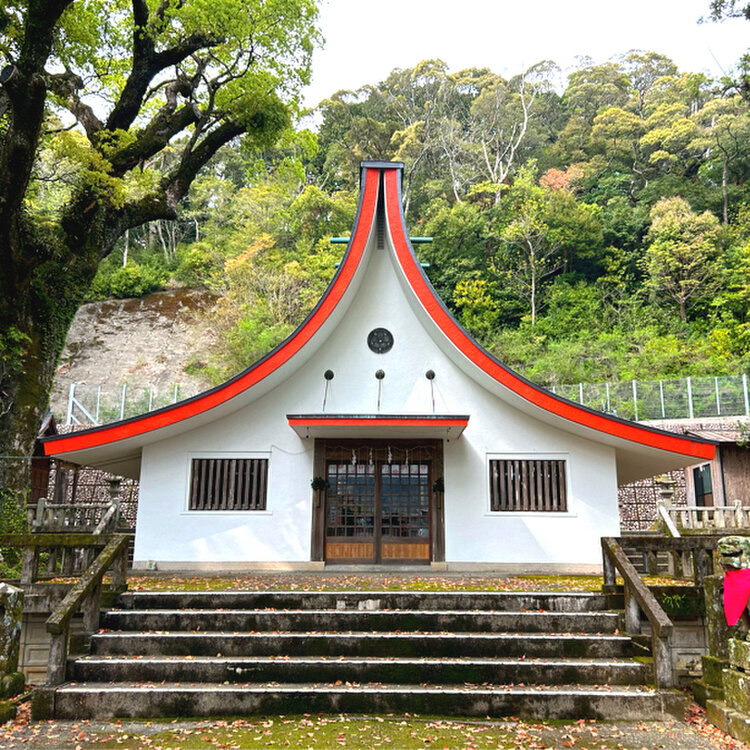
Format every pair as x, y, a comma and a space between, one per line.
380, 504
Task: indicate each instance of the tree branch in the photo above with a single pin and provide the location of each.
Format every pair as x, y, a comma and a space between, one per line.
66, 86
26, 92
152, 139
146, 64
177, 182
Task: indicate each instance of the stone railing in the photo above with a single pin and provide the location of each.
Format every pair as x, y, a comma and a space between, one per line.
102, 517
639, 599
687, 557
106, 553
688, 518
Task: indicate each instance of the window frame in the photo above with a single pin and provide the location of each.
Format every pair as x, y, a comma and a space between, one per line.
536, 512
221, 456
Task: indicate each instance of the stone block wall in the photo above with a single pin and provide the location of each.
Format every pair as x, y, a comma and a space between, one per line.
725, 685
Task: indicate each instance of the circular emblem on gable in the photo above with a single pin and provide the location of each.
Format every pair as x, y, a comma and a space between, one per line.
380, 340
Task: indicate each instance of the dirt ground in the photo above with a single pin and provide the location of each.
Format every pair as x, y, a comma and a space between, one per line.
345, 731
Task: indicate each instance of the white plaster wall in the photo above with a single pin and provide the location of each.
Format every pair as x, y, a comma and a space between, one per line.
166, 531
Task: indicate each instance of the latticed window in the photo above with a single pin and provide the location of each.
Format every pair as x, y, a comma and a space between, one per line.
228, 484
533, 485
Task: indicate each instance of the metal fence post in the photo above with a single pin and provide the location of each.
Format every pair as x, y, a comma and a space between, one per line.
635, 400
744, 391
609, 405
718, 398
690, 396
580, 393
661, 398
71, 398
122, 400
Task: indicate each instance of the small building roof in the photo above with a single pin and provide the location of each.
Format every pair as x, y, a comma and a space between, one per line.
720, 435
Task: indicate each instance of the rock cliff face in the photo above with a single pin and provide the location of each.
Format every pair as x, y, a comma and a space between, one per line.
144, 342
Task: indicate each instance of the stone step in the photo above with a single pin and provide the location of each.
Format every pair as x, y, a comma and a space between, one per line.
297, 669
103, 700
513, 601
417, 644
378, 620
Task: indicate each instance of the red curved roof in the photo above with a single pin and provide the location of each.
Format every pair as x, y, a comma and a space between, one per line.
539, 396
371, 172
286, 350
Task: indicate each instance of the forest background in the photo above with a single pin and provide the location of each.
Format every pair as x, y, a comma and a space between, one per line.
596, 233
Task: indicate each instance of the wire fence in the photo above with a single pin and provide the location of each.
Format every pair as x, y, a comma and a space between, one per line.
92, 405
679, 398
640, 400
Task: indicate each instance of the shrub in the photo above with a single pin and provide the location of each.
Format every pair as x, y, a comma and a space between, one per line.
128, 281
12, 521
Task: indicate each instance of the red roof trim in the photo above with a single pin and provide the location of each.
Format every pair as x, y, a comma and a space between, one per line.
385, 421
203, 402
486, 362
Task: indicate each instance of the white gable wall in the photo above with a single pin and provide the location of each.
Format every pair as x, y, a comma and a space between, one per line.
166, 531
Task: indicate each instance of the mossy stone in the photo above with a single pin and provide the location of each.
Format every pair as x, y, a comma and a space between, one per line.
7, 711
737, 690
12, 684
739, 653
712, 669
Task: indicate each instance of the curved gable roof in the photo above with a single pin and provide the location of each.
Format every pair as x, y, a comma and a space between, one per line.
390, 172
562, 407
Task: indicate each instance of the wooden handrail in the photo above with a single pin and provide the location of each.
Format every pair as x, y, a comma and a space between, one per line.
660, 542
111, 513
657, 617
60, 618
84, 595
54, 539
665, 516
637, 595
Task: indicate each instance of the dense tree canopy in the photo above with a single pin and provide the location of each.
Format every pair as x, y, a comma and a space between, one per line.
587, 228
108, 112
593, 231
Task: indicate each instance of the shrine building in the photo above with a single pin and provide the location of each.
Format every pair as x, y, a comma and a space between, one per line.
379, 432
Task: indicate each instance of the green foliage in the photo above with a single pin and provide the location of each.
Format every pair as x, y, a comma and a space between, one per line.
628, 257
12, 521
132, 280
682, 260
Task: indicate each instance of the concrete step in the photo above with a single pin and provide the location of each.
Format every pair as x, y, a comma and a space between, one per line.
416, 644
499, 601
301, 669
377, 620
152, 700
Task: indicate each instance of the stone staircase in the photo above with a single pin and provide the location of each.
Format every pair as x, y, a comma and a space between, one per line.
540, 655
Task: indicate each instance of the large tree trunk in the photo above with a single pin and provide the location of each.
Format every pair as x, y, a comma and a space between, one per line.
42, 310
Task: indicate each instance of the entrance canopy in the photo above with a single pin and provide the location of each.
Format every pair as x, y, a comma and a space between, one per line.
449, 427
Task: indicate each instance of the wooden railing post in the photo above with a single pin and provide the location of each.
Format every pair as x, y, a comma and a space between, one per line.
29, 565
632, 612
119, 571
90, 608
661, 650
703, 565
608, 568
58, 658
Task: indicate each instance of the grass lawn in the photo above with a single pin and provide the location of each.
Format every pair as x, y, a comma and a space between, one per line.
402, 732
377, 582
